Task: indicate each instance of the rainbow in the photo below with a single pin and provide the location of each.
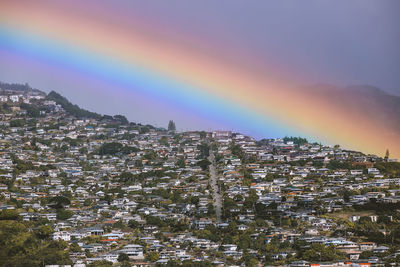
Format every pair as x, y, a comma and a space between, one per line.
137, 61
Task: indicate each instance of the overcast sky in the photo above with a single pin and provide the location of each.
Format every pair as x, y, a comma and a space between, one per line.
342, 42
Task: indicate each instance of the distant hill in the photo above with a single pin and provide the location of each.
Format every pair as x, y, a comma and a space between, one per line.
364, 100
72, 109
18, 87
76, 111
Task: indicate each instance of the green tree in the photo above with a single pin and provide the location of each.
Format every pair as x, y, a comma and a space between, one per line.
122, 119
237, 151
17, 123
171, 126
133, 224
44, 232
181, 163
204, 149
152, 256
74, 247
203, 164
251, 200
9, 215
59, 202
123, 257
320, 252
110, 148
20, 247
102, 263
63, 214
296, 140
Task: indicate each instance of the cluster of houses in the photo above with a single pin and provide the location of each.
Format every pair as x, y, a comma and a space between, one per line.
122, 202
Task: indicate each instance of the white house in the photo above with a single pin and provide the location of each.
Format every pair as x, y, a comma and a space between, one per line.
133, 251
62, 235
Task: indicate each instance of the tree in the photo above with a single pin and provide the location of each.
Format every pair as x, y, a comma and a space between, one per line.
44, 232
261, 211
17, 123
152, 256
63, 214
9, 215
181, 163
171, 126
123, 257
237, 151
204, 149
122, 119
87, 202
126, 177
21, 247
74, 247
110, 148
244, 241
250, 260
204, 164
387, 154
251, 200
83, 150
102, 263
133, 224
296, 140
390, 168
59, 202
31, 110
320, 252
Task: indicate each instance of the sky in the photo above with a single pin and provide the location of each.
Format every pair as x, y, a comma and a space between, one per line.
340, 42
207, 64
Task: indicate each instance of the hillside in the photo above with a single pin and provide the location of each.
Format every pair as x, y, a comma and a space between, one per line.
71, 108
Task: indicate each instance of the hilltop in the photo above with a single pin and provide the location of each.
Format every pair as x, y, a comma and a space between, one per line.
19, 87
70, 108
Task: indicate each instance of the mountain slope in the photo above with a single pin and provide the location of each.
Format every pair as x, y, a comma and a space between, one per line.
71, 108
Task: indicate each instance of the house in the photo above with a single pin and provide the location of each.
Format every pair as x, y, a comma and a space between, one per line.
62, 235
353, 254
242, 227
356, 172
201, 223
367, 246
95, 231
49, 216
299, 264
114, 235
14, 98
354, 218
229, 247
133, 251
3, 187
381, 249
113, 257
312, 231
91, 260
373, 171
233, 254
